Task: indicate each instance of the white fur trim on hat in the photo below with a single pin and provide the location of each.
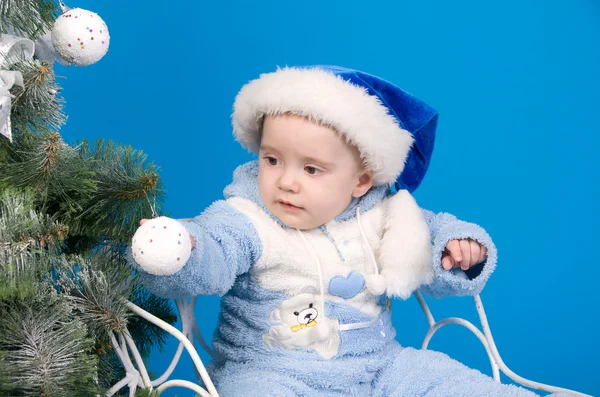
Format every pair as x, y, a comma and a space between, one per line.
330, 100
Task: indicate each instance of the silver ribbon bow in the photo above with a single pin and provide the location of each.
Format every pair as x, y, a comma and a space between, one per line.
11, 49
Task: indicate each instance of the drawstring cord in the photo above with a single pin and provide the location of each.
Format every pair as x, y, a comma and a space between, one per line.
342, 327
320, 270
362, 233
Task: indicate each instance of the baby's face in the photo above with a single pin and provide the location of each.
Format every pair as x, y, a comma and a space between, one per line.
307, 173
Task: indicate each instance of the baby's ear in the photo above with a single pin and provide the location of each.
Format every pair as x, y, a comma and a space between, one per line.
365, 181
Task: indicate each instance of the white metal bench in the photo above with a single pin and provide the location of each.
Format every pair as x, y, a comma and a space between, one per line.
137, 374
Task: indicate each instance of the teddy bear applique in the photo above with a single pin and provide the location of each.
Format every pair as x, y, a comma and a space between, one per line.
301, 325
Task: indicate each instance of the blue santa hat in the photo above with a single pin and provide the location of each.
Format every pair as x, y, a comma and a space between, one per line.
393, 130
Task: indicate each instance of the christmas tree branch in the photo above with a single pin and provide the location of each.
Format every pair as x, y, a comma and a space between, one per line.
61, 179
95, 288
28, 240
45, 351
37, 107
27, 18
126, 186
66, 212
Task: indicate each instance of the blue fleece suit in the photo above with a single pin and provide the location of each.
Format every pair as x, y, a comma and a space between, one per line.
262, 268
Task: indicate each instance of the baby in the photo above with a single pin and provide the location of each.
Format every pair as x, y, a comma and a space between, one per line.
314, 239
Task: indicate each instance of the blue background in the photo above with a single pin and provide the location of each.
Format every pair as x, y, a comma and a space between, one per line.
517, 88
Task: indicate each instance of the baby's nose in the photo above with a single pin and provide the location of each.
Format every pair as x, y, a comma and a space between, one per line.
289, 182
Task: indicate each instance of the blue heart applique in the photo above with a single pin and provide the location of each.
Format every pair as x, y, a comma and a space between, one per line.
347, 287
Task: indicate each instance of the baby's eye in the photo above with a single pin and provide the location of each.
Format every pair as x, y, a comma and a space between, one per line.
312, 170
271, 160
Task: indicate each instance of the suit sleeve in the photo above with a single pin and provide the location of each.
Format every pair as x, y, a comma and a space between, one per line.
444, 227
226, 246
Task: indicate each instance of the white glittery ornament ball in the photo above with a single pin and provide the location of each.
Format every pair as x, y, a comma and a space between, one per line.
80, 37
161, 246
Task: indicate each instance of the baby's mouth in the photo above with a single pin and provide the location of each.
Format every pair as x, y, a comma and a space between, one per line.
288, 206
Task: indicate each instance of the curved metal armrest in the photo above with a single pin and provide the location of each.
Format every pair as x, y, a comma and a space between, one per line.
138, 377
488, 343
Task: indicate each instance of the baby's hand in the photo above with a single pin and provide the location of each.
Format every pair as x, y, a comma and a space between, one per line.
464, 253
191, 239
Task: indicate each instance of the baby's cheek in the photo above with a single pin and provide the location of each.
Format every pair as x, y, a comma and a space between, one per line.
264, 191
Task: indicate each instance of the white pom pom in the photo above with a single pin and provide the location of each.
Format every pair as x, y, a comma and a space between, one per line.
80, 37
161, 246
375, 283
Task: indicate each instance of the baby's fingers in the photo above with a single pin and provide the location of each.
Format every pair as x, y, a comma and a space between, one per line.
466, 254
447, 262
452, 255
453, 247
475, 252
482, 254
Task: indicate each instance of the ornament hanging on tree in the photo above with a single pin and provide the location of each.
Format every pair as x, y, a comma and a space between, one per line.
161, 246
79, 36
